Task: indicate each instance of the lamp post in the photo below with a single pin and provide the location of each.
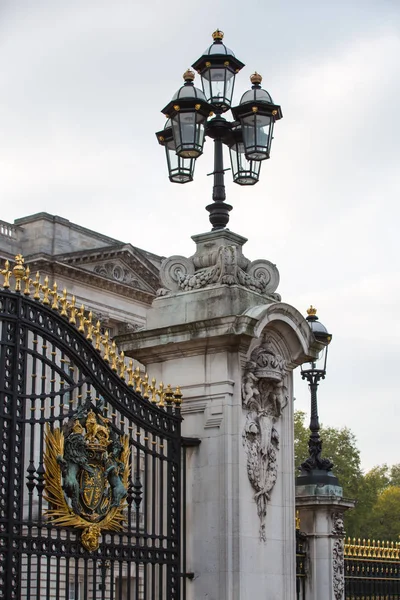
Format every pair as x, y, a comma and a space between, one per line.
195, 114
315, 467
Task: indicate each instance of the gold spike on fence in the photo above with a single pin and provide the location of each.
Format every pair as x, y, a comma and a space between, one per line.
18, 280
376, 549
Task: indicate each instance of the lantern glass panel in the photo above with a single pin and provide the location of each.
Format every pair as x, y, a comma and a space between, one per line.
188, 131
257, 135
245, 172
218, 85
180, 169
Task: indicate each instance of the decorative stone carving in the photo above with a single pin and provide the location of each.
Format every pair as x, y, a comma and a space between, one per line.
338, 555
264, 396
224, 265
118, 272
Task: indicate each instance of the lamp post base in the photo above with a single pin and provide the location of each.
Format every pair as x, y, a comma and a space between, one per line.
219, 214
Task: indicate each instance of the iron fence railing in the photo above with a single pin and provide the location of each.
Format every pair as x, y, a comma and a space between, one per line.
372, 570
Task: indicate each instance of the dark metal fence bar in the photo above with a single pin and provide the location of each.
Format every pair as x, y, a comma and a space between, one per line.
301, 558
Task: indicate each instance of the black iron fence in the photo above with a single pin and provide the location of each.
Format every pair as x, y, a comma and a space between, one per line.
372, 570
90, 458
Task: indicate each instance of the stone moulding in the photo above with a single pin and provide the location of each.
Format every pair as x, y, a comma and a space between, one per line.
226, 266
264, 396
338, 555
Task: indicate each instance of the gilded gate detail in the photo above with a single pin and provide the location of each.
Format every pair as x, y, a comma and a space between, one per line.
90, 457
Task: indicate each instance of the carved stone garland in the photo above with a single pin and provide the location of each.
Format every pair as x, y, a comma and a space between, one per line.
264, 396
226, 265
338, 555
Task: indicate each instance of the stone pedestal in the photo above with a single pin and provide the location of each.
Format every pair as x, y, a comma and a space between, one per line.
321, 510
219, 329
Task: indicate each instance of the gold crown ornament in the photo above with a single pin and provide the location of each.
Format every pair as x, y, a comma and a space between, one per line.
218, 35
255, 78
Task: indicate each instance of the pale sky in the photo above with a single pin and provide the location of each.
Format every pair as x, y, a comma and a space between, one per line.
82, 84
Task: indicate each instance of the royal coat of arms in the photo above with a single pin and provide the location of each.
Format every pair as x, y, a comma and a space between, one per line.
86, 476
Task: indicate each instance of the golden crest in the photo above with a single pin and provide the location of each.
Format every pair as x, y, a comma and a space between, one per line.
86, 476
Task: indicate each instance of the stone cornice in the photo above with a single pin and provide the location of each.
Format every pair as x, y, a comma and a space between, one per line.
189, 339
44, 216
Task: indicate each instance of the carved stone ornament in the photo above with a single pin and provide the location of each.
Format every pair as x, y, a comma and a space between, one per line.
86, 476
116, 271
226, 265
264, 396
338, 555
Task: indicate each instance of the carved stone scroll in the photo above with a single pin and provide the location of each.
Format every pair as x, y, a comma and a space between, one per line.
264, 396
226, 266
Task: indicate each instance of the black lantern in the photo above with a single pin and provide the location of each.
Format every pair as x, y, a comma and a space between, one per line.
257, 114
188, 111
180, 170
244, 171
217, 68
318, 366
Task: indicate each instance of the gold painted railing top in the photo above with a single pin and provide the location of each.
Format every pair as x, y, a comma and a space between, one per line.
18, 278
358, 548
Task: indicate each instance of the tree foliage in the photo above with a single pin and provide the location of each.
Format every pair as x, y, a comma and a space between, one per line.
377, 492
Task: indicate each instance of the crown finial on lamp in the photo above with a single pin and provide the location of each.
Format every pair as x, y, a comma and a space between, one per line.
188, 75
256, 78
218, 35
312, 311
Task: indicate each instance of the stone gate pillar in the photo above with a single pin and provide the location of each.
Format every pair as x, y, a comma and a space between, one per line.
321, 510
219, 328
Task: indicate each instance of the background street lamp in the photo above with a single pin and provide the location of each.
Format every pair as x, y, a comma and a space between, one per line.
315, 468
195, 114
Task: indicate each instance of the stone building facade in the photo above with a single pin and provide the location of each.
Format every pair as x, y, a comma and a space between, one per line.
117, 281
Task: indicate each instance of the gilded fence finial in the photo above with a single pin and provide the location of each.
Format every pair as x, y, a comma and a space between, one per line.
122, 365
169, 395
81, 317
130, 374
53, 293
138, 380
298, 520
36, 285
27, 282
72, 311
178, 396
153, 390
113, 356
97, 335
161, 394
46, 290
18, 271
63, 303
6, 274
145, 386
90, 326
106, 346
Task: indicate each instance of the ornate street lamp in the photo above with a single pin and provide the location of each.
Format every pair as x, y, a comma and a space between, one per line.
196, 113
257, 115
316, 468
180, 170
244, 171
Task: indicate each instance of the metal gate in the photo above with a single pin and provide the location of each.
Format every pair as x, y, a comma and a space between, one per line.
90, 457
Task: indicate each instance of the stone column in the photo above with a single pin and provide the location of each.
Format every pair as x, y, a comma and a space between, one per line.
321, 509
219, 329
